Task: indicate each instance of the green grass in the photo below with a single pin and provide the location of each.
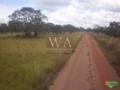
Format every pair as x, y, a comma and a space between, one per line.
26, 65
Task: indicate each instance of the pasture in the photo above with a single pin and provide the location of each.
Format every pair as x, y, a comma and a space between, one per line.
25, 63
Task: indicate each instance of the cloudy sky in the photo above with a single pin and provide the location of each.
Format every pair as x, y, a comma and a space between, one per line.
85, 13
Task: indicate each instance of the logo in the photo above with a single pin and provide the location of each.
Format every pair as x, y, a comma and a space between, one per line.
111, 84
59, 44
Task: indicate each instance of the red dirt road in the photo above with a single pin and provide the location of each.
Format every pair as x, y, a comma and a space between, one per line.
87, 69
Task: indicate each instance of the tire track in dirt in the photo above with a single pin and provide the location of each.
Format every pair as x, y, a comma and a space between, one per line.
87, 69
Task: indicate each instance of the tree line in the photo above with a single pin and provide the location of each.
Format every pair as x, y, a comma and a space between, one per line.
112, 30
29, 20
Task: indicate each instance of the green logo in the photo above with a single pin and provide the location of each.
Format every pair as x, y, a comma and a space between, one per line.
111, 84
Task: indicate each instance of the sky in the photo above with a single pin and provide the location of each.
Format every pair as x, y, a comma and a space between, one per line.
80, 13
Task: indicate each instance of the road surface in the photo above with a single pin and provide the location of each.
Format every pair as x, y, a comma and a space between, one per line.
87, 69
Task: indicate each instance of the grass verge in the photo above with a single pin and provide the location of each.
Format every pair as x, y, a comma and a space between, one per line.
26, 65
111, 48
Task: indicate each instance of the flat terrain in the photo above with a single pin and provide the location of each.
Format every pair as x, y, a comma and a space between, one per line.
87, 69
25, 63
111, 48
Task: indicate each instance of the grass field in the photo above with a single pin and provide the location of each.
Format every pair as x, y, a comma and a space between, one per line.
26, 65
111, 47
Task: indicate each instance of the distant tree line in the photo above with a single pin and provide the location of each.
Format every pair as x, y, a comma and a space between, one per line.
29, 20
112, 30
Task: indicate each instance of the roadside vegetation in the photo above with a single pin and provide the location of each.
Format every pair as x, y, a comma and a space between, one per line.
111, 47
25, 63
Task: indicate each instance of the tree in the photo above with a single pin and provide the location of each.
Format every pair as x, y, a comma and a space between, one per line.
14, 26
29, 17
3, 27
114, 29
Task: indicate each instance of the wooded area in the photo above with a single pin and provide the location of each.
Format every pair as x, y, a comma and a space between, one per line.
29, 20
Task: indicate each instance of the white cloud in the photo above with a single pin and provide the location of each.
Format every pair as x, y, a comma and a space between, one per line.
84, 13
52, 2
87, 13
5, 11
50, 5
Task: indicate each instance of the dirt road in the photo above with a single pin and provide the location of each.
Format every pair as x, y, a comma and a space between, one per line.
87, 69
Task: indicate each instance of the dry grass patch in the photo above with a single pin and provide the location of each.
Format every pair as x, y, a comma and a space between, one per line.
111, 48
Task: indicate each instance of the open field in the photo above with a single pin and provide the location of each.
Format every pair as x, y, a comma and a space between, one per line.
26, 65
111, 48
